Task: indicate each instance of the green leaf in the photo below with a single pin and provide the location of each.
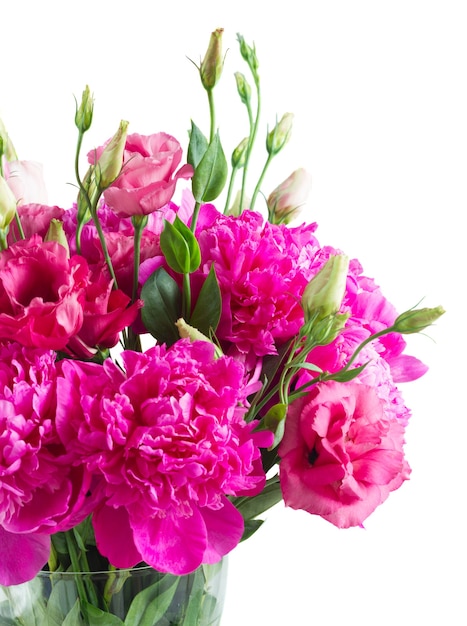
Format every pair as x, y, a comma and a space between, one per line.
151, 604
251, 526
162, 306
207, 311
255, 505
345, 376
197, 146
210, 175
74, 617
97, 617
193, 610
180, 247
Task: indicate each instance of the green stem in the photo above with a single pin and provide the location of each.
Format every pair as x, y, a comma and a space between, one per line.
194, 217
230, 189
253, 132
186, 298
212, 114
19, 226
260, 181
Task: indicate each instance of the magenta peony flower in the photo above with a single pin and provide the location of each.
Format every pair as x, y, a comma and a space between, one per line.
42, 487
342, 453
148, 178
262, 271
167, 438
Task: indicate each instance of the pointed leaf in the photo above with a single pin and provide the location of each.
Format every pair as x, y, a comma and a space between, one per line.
162, 306
197, 146
210, 175
207, 311
151, 604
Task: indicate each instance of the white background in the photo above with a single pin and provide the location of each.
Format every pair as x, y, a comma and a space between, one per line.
378, 93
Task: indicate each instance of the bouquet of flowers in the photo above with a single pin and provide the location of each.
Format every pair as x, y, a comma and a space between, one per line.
170, 371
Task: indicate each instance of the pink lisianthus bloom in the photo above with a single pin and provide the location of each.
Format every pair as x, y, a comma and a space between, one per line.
168, 440
262, 271
26, 180
41, 292
342, 453
149, 174
35, 220
42, 485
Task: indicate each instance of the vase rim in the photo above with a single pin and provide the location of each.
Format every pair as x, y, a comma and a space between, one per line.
106, 572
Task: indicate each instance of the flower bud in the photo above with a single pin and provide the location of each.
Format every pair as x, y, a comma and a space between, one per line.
239, 154
211, 66
7, 148
83, 116
235, 210
193, 334
56, 233
416, 320
280, 134
7, 204
249, 55
323, 295
285, 202
109, 165
243, 88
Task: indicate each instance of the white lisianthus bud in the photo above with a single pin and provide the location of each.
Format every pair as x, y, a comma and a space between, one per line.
280, 134
7, 204
285, 202
323, 295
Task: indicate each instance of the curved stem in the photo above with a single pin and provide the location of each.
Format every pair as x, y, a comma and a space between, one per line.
260, 181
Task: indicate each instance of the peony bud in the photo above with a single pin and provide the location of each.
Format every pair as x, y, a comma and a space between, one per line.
323, 295
280, 134
83, 116
7, 204
416, 320
109, 165
211, 66
285, 202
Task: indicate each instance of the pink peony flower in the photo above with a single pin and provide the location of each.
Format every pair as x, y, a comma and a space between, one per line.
42, 486
148, 178
342, 453
167, 438
41, 292
262, 271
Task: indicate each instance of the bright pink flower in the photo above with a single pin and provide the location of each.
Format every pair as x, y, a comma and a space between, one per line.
342, 453
41, 293
42, 487
148, 178
262, 271
168, 438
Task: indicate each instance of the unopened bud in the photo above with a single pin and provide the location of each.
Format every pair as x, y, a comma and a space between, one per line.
7, 149
416, 320
235, 210
193, 334
286, 201
249, 55
83, 116
109, 165
56, 233
211, 66
239, 154
323, 295
7, 204
280, 134
243, 88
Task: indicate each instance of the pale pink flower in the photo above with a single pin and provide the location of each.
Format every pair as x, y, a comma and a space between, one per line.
26, 180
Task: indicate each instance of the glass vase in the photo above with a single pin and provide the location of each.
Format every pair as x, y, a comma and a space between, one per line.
135, 597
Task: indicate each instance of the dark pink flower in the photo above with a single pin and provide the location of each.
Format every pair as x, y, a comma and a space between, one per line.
342, 453
168, 439
42, 485
262, 271
35, 220
41, 293
149, 174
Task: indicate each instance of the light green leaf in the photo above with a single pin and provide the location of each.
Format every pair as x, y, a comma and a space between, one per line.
210, 175
197, 146
207, 311
151, 604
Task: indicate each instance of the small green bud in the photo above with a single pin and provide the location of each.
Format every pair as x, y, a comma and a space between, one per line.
249, 55
239, 154
323, 295
109, 165
211, 66
243, 88
280, 134
416, 320
83, 116
193, 334
56, 233
7, 204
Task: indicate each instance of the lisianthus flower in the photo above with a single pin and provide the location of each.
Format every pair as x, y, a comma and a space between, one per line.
168, 439
41, 292
149, 174
262, 271
26, 180
342, 453
35, 220
42, 485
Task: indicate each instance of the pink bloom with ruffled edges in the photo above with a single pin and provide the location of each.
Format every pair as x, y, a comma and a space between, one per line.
42, 486
342, 453
167, 438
